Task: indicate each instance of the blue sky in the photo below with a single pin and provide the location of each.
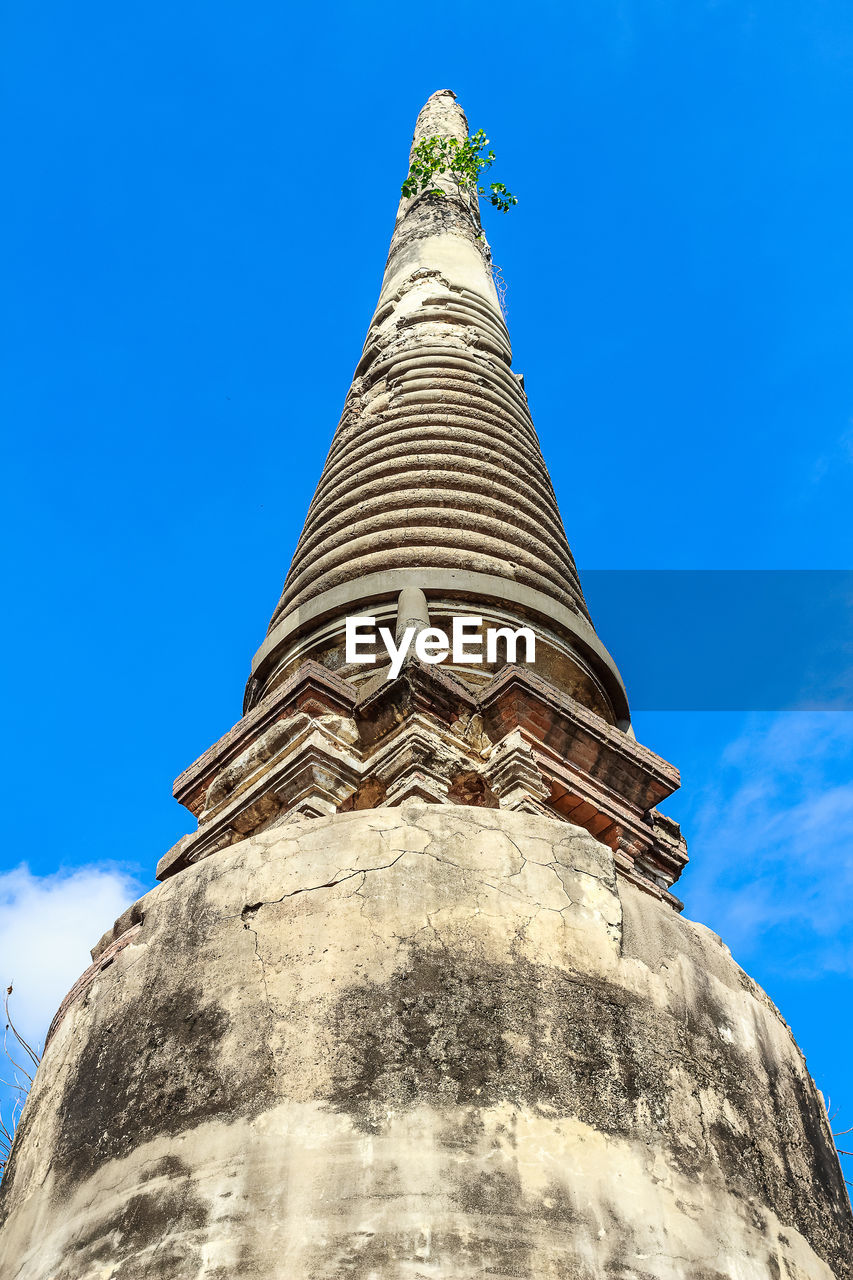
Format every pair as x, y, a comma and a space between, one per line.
189, 187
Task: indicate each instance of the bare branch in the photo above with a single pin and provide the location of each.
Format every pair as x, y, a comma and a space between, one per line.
10, 1026
14, 1084
9, 1127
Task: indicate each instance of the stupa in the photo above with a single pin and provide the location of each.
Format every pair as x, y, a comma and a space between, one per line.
415, 998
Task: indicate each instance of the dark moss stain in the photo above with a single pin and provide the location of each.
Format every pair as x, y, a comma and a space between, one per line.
151, 1234
495, 1192
463, 1130
7, 1181
502, 1252
556, 1206
356, 1253
461, 1035
447, 1031
155, 1069
817, 1140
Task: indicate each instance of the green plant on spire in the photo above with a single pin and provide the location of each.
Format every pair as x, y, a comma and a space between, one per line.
464, 162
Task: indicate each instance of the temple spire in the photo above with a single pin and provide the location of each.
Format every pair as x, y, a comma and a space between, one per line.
435, 478
435, 514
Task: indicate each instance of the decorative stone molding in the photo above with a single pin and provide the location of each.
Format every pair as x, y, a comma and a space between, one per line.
320, 746
300, 764
419, 689
312, 690
596, 776
419, 758
515, 776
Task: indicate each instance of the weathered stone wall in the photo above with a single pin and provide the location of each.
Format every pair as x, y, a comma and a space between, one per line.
430, 1041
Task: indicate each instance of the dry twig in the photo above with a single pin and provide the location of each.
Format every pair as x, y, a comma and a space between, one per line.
19, 1088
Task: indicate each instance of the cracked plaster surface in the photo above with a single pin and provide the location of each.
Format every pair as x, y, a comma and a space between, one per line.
428, 1041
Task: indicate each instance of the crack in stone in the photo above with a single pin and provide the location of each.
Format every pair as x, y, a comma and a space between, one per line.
520, 854
250, 909
253, 907
358, 894
270, 1013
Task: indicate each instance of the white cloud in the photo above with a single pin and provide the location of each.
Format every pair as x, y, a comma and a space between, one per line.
48, 924
773, 842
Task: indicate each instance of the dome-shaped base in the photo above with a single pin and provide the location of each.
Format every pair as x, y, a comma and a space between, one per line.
420, 1042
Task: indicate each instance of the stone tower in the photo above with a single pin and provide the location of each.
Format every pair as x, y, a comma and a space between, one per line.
415, 999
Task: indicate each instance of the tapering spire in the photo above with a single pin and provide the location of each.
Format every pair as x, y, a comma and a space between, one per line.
435, 508
435, 478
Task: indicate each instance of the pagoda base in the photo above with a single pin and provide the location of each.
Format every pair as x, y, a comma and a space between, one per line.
423, 1041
